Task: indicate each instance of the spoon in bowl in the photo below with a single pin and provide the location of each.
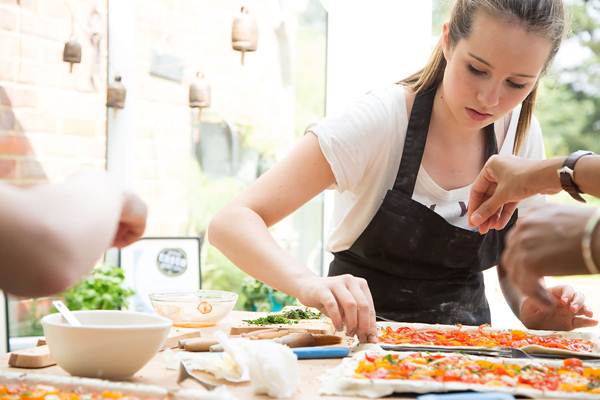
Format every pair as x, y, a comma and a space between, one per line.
66, 313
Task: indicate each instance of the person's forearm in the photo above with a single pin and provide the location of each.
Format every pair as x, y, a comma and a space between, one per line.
513, 296
544, 176
587, 175
596, 245
242, 235
53, 234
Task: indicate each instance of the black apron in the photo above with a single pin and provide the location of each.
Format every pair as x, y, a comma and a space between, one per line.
419, 267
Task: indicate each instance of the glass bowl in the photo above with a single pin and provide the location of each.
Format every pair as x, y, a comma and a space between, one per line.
194, 309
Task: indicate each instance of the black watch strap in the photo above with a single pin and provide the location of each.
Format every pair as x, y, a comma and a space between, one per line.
565, 174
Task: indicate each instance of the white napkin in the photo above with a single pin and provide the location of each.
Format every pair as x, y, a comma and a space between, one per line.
272, 367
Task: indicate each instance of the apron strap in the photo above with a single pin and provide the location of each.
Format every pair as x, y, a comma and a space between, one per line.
491, 144
416, 137
414, 143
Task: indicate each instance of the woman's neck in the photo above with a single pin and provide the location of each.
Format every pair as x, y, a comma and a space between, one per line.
445, 127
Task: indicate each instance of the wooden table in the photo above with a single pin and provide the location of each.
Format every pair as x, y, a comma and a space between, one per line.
156, 373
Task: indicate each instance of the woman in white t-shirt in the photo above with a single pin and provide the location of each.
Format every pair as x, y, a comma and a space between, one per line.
402, 159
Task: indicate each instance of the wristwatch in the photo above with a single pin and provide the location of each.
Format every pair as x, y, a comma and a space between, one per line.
565, 173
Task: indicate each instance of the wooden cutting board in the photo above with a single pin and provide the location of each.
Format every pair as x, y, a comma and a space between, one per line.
321, 326
39, 357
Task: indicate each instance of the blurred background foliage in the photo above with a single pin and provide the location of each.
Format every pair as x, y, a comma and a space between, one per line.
569, 99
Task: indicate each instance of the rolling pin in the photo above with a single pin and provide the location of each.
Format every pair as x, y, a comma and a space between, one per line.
295, 340
197, 344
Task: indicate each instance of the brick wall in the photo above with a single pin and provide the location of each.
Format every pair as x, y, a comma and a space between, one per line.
51, 120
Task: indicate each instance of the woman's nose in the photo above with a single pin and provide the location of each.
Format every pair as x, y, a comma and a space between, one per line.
489, 95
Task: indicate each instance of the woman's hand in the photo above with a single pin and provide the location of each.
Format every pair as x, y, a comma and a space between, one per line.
346, 300
569, 311
132, 221
547, 241
502, 183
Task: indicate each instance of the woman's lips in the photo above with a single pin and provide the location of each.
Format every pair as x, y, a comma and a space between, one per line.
476, 115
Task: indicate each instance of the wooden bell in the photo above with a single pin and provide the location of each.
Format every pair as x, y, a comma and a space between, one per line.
199, 92
244, 32
72, 53
116, 93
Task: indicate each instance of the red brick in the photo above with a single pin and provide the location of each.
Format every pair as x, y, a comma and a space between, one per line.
9, 43
58, 8
17, 97
7, 120
29, 4
15, 145
27, 120
8, 19
8, 70
32, 48
38, 74
30, 169
80, 126
42, 26
8, 169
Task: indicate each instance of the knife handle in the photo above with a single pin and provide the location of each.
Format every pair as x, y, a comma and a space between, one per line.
304, 353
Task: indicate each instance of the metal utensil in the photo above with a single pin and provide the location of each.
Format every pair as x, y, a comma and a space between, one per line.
380, 318
506, 352
66, 313
185, 372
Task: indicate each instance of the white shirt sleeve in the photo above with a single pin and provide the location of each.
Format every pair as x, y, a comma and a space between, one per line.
351, 140
533, 149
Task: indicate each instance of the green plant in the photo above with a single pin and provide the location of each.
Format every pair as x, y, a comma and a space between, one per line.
260, 297
102, 290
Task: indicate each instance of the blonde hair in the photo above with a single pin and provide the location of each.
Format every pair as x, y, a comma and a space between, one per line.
545, 17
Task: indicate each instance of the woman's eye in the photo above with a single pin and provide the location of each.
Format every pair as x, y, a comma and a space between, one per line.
476, 71
516, 85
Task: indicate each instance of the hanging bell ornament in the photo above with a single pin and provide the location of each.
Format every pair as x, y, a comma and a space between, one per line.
116, 93
199, 92
72, 53
244, 32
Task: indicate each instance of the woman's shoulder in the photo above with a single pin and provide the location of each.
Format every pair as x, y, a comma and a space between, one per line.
394, 97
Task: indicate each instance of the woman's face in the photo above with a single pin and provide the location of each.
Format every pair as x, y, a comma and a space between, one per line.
492, 71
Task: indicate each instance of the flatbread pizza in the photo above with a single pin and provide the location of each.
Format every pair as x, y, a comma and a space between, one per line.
484, 336
380, 373
26, 386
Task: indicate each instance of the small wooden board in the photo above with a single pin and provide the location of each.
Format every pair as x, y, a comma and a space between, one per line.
39, 357
321, 326
35, 357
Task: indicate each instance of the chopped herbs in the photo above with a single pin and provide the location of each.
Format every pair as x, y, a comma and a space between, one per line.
271, 319
299, 313
286, 317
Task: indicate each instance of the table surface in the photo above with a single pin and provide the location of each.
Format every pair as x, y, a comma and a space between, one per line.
156, 373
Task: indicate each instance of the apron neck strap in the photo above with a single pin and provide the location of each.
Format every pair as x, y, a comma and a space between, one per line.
416, 137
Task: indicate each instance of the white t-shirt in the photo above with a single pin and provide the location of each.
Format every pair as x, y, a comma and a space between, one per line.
363, 145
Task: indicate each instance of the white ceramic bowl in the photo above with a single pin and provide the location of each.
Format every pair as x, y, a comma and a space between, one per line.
108, 345
194, 309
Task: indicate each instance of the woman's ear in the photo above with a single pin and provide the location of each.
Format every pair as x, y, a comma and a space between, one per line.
446, 41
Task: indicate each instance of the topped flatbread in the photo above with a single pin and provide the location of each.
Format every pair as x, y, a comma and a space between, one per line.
381, 373
484, 336
26, 386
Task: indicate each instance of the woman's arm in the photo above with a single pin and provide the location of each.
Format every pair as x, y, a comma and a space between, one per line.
241, 232
557, 308
51, 235
506, 180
